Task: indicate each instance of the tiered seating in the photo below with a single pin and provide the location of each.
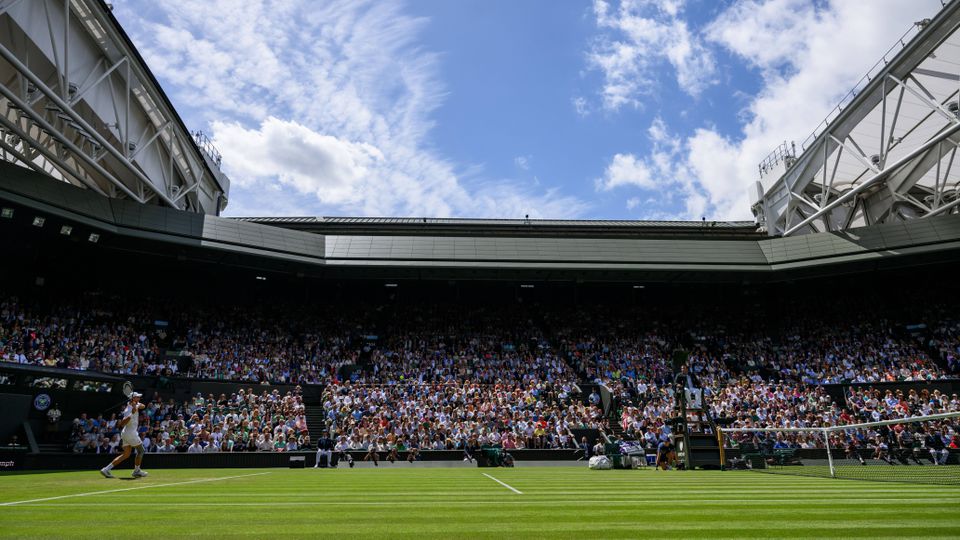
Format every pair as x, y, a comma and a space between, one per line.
448, 376
244, 421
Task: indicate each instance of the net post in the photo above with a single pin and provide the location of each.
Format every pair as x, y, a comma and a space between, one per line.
826, 440
723, 457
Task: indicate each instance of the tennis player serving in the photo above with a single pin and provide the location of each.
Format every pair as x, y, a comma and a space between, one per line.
129, 438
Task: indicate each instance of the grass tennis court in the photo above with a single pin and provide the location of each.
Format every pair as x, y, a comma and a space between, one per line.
554, 502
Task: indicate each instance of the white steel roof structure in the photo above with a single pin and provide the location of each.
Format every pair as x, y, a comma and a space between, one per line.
77, 102
887, 153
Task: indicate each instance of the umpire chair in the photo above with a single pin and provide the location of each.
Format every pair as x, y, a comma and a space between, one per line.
696, 437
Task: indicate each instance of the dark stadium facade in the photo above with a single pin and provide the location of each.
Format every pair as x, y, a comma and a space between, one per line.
574, 251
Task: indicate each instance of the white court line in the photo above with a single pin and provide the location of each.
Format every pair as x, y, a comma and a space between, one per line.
531, 502
517, 491
12, 503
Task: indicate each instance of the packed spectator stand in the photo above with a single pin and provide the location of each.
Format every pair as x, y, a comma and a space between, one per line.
244, 421
439, 376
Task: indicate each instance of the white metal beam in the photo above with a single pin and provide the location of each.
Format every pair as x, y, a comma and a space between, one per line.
46, 126
38, 146
925, 70
52, 96
45, 45
875, 178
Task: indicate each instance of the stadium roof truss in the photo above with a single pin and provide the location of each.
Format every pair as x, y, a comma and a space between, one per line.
78, 103
887, 153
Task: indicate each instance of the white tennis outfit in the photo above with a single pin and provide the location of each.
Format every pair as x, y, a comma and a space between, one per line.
129, 435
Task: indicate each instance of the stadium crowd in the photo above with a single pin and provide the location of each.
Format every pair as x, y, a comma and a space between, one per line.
106, 334
752, 378
244, 421
946, 339
457, 415
863, 405
101, 333
489, 378
430, 376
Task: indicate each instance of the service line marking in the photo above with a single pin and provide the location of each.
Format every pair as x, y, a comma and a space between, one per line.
517, 491
530, 502
13, 503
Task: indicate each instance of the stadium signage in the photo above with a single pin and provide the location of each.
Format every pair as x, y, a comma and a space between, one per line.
42, 402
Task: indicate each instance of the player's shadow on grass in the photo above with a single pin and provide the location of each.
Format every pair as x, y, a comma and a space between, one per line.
128, 478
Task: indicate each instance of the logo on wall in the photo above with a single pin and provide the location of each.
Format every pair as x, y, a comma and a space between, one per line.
42, 402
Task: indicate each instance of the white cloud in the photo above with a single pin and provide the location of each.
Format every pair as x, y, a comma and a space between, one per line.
657, 170
768, 33
580, 105
718, 174
637, 38
694, 170
808, 56
335, 171
664, 171
506, 199
626, 170
523, 162
332, 100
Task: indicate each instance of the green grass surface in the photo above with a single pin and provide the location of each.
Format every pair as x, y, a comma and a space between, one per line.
463, 503
876, 471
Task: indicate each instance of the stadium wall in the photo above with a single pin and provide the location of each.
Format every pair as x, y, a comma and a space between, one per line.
15, 409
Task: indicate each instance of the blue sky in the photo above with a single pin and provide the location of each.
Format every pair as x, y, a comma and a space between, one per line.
605, 109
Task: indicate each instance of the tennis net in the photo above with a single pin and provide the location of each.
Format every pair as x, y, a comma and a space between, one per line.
921, 449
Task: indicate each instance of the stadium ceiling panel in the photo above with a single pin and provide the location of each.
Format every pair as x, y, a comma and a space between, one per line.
887, 153
468, 252
484, 221
543, 228
77, 102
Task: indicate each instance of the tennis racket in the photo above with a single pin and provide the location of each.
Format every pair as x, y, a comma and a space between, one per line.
127, 389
